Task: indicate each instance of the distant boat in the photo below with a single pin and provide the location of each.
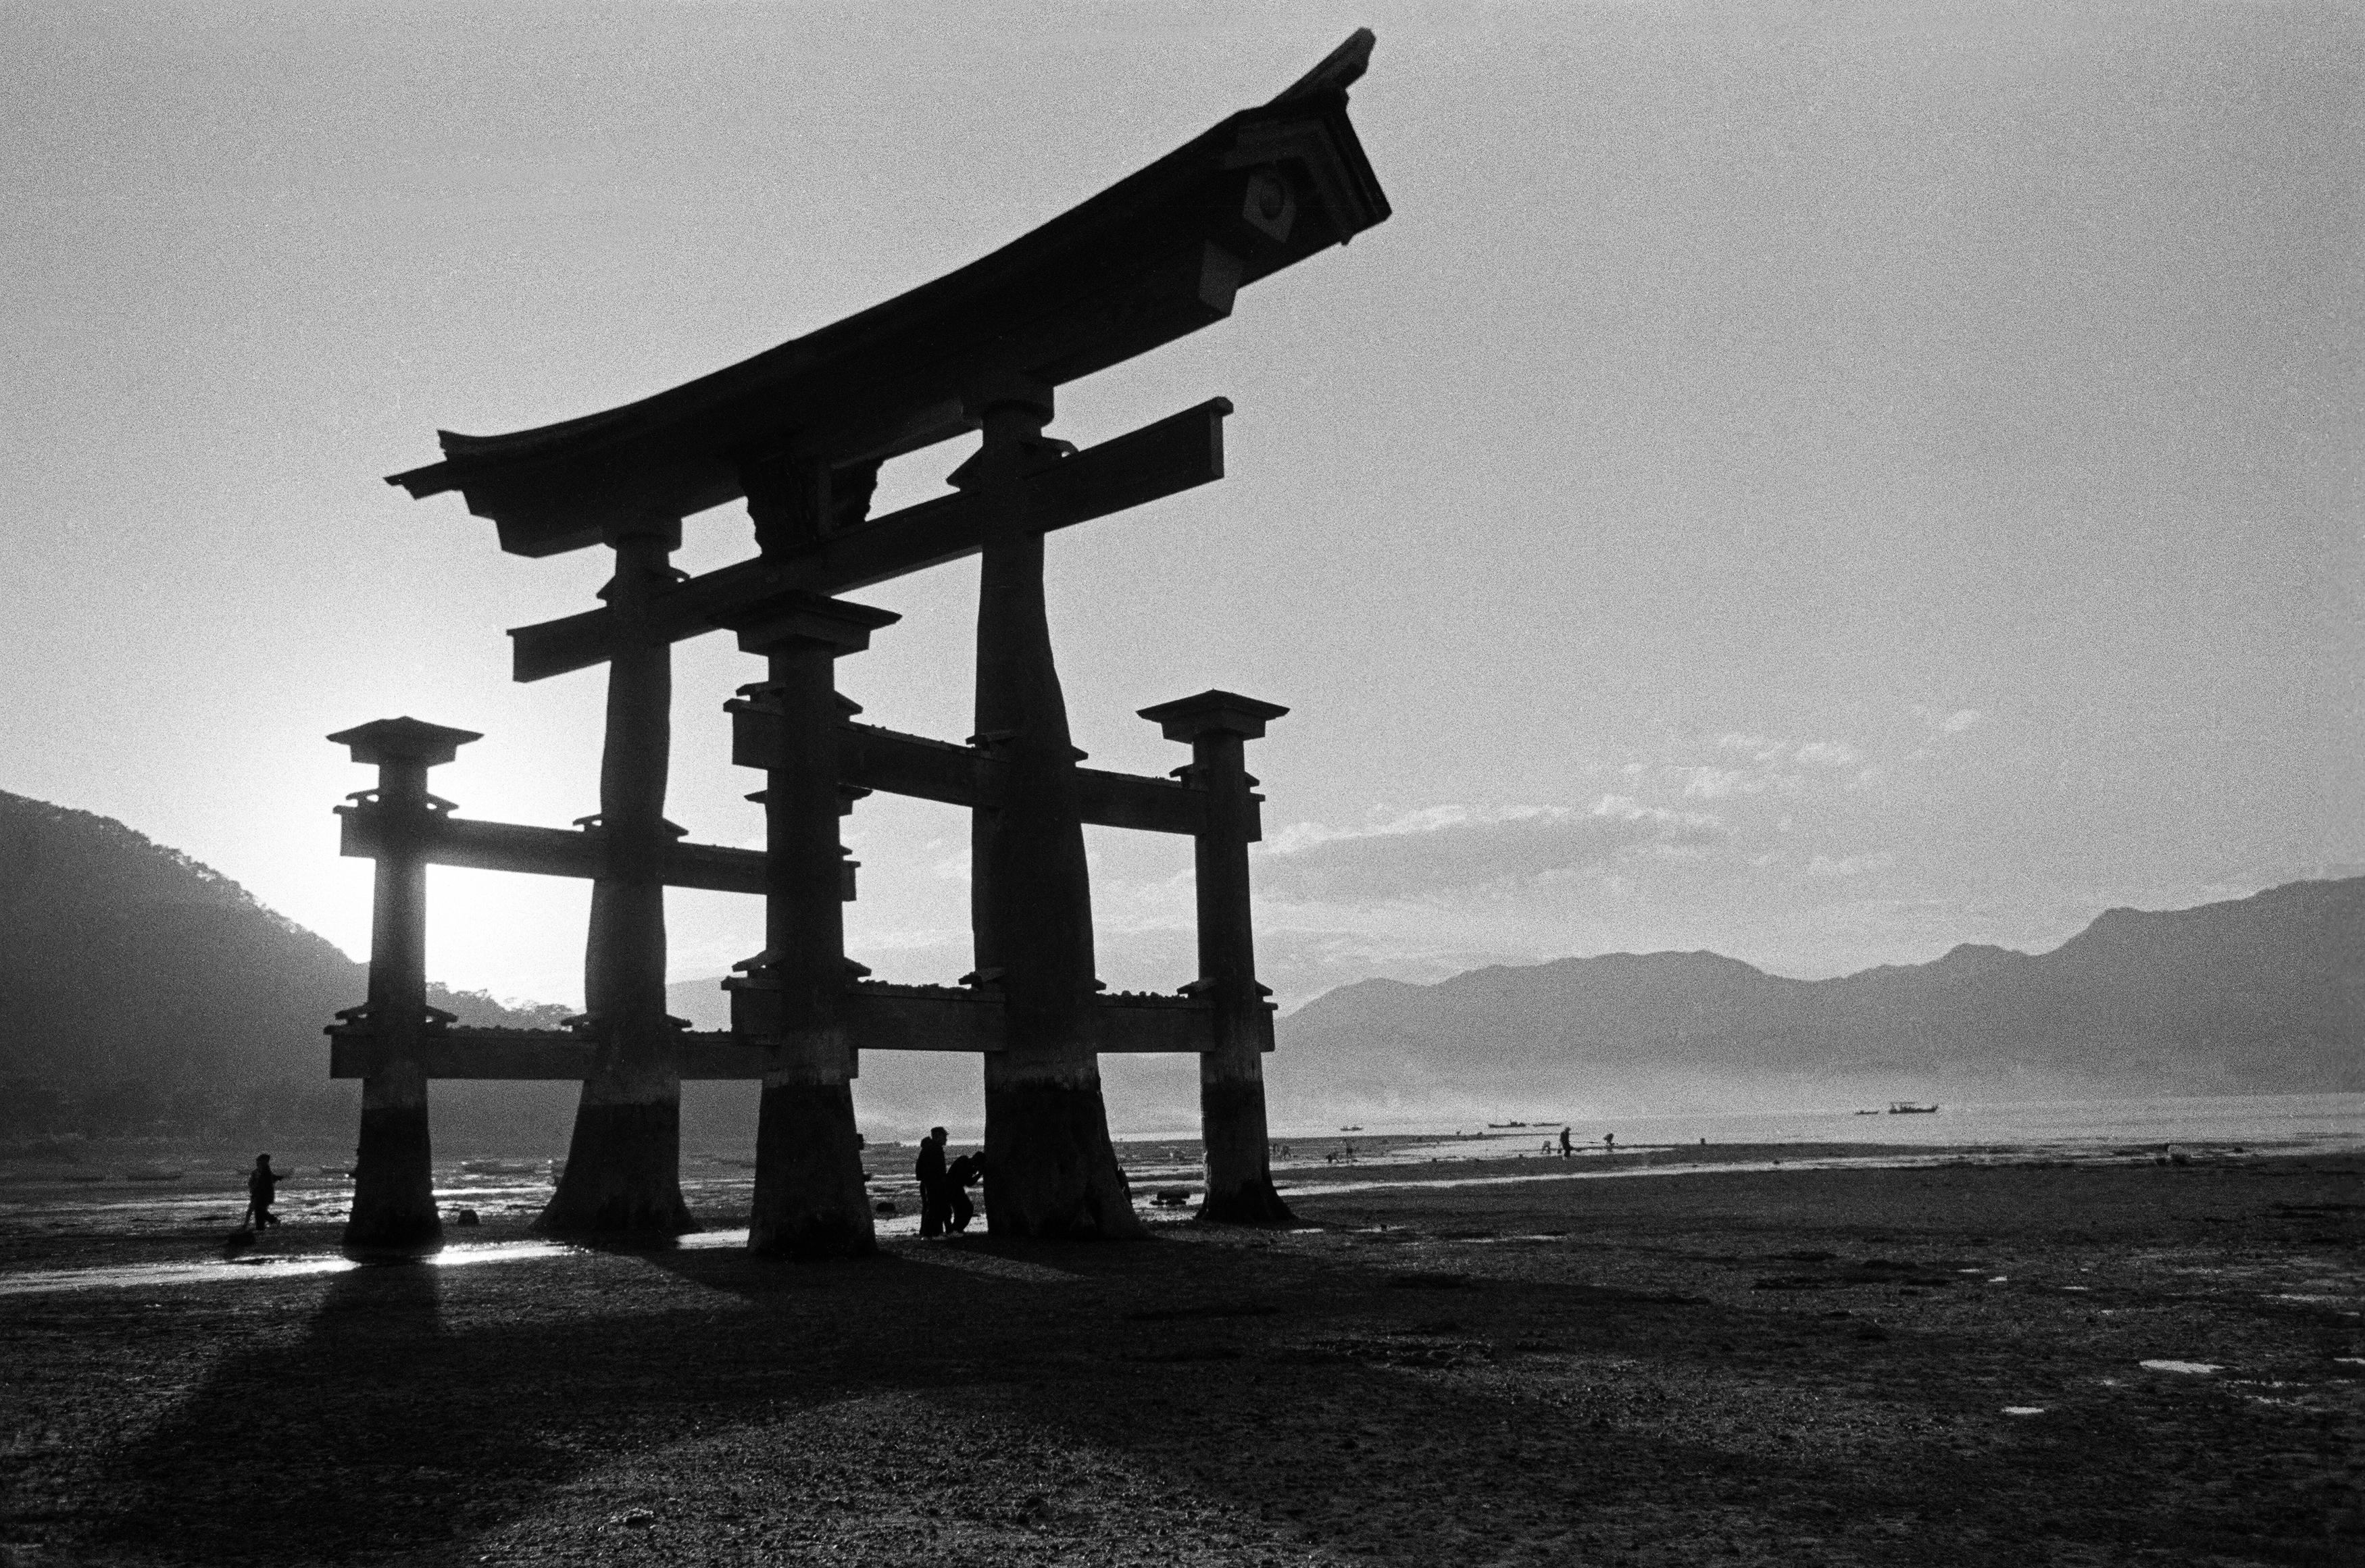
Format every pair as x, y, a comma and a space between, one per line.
1499, 1126
151, 1173
1907, 1108
1868, 1112
1350, 1129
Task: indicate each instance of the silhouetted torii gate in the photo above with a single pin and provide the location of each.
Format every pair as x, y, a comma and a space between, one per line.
799, 431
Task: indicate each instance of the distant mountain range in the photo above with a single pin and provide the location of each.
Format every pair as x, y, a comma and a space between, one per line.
141, 990
2258, 995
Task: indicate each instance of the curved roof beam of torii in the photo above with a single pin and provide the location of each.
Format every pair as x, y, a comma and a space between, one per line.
1157, 255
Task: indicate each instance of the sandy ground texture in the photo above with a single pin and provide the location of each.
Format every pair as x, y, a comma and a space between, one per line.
1937, 1365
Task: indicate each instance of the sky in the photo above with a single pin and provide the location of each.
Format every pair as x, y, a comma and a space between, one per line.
1820, 482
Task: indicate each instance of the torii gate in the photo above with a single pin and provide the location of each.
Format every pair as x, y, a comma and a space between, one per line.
799, 431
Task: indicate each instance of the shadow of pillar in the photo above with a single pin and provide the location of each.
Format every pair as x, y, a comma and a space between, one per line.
334, 1448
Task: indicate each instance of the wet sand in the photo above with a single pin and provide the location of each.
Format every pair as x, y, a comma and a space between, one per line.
1929, 1362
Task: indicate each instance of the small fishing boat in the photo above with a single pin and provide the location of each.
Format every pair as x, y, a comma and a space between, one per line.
1501, 1126
1907, 1108
1350, 1129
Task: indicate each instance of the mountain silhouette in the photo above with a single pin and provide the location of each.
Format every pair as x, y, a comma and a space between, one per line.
141, 990
2258, 995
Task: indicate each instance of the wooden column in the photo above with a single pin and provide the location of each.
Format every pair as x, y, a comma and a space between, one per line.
1050, 1170
1218, 724
394, 1187
623, 1174
809, 1198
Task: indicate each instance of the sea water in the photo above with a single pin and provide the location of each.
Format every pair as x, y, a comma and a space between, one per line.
2288, 1122
212, 1195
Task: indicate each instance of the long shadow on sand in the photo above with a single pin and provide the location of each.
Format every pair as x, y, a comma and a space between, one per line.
1310, 1400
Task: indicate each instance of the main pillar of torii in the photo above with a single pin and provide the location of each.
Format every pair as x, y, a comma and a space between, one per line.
1051, 1169
790, 1002
623, 1163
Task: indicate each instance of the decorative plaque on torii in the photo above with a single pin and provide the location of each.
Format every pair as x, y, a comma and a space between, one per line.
799, 432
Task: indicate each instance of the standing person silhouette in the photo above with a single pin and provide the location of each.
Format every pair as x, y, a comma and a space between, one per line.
261, 1189
930, 1169
1566, 1148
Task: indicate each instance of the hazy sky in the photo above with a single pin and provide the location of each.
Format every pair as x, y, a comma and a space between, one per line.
1821, 482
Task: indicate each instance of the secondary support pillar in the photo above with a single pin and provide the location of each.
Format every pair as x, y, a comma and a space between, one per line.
624, 1164
394, 1188
1051, 1169
1218, 724
809, 1199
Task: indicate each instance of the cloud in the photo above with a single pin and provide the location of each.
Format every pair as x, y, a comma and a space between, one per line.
1705, 783
1452, 849
1849, 866
1945, 723
1767, 750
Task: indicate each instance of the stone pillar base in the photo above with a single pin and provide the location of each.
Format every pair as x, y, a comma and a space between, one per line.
1240, 1168
393, 1185
1050, 1170
810, 1201
624, 1173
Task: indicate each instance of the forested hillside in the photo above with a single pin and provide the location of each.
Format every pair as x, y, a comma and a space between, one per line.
142, 990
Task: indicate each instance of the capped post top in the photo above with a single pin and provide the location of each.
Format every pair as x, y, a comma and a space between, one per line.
798, 614
404, 740
1223, 712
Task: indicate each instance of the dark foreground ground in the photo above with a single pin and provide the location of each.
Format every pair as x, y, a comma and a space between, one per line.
1795, 1366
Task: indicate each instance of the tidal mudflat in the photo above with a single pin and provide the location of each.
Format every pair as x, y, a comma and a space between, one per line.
1958, 1361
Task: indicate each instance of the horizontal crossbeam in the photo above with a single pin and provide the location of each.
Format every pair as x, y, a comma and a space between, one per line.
879, 1018
557, 852
1177, 453
899, 764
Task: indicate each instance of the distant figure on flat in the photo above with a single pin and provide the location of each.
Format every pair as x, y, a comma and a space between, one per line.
968, 1168
1609, 1142
930, 1169
1568, 1148
261, 1189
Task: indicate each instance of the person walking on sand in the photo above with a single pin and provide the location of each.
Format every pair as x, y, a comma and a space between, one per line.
930, 1169
1610, 1143
261, 1189
1568, 1148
